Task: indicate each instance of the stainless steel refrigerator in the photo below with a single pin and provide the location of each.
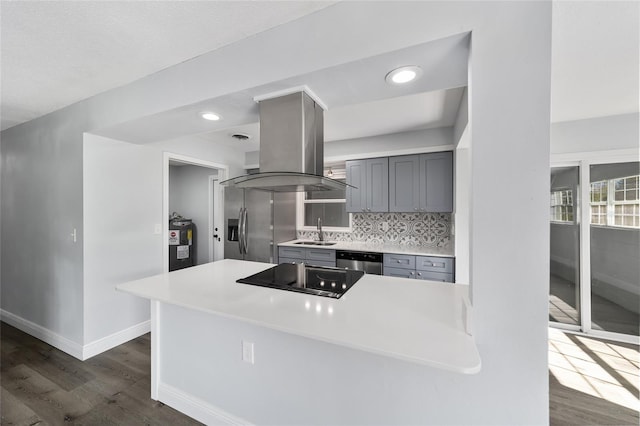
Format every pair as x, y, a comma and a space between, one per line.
255, 222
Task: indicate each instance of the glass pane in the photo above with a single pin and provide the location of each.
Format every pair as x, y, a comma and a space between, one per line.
615, 270
619, 196
564, 296
331, 214
328, 195
631, 195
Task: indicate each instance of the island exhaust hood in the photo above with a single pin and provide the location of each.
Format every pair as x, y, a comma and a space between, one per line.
291, 147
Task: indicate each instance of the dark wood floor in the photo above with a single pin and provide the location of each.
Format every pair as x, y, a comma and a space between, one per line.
44, 386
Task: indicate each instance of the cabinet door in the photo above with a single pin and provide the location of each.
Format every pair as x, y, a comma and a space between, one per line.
436, 179
404, 183
434, 276
292, 253
435, 264
399, 261
356, 176
321, 254
399, 272
377, 185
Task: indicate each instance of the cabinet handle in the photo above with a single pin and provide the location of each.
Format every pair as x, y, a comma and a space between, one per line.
411, 273
399, 261
364, 210
415, 208
368, 209
419, 274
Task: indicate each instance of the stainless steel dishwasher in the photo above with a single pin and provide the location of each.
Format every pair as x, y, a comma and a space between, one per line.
370, 263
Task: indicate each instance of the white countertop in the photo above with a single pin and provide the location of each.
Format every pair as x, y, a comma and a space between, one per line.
378, 248
412, 320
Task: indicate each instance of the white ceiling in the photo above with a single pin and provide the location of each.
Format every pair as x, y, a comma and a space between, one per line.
57, 53
595, 51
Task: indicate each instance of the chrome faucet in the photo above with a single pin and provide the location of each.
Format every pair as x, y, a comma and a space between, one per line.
320, 233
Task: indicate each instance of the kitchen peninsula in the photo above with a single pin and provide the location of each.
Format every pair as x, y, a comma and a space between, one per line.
235, 353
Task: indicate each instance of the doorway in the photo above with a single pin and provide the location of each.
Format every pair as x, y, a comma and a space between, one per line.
192, 191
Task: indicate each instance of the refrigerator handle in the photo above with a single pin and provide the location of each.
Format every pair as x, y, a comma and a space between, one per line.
244, 231
240, 239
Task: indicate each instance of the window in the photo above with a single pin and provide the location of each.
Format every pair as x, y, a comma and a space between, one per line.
598, 197
616, 202
329, 206
562, 206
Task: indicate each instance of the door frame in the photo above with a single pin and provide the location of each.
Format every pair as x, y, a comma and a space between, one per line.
216, 217
585, 160
216, 201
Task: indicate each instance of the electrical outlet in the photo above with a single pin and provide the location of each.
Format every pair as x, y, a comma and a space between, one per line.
247, 352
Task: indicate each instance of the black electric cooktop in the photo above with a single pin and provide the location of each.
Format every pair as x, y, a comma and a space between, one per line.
316, 280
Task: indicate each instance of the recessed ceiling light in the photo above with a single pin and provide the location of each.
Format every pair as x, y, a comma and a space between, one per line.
403, 74
211, 116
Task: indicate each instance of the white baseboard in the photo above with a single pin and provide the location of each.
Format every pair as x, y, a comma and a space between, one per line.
65, 345
70, 347
101, 345
197, 408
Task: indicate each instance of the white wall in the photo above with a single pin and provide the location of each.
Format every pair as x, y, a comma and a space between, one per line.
596, 134
41, 194
440, 138
189, 196
122, 203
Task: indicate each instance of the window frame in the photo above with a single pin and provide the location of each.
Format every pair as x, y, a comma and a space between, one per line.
301, 201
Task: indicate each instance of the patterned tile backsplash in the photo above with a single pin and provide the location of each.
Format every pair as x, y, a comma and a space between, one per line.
411, 229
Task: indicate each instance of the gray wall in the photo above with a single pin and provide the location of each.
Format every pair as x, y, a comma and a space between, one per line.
189, 196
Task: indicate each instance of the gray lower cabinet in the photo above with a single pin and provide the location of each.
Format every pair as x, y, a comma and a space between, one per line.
421, 182
431, 268
310, 256
371, 181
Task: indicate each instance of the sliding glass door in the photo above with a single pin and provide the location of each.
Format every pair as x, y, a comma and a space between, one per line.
615, 247
564, 280
594, 282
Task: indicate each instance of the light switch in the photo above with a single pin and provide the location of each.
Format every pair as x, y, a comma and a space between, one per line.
157, 229
247, 352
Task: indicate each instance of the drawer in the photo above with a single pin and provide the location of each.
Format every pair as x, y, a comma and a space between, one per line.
399, 272
434, 276
399, 261
290, 260
329, 263
292, 252
321, 254
435, 264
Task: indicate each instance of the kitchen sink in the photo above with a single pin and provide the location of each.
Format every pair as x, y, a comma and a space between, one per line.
315, 243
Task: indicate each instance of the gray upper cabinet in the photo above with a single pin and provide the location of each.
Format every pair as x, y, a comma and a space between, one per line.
404, 183
436, 179
371, 178
356, 176
421, 183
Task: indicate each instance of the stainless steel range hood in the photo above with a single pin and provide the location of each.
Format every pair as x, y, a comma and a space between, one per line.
291, 147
